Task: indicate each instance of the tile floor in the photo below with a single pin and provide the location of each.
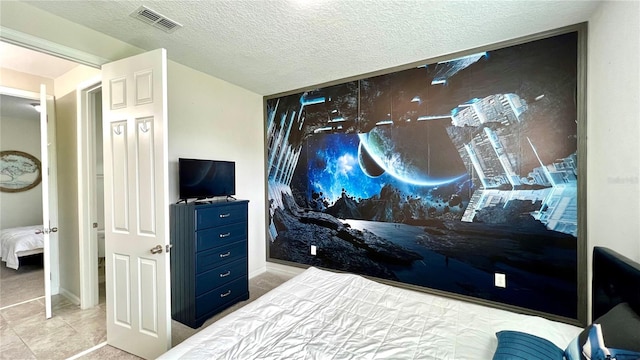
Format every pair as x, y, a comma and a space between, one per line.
25, 334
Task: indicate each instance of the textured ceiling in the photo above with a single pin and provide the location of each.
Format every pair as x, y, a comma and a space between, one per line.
274, 46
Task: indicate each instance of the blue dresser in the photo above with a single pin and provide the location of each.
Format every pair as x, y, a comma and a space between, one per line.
209, 268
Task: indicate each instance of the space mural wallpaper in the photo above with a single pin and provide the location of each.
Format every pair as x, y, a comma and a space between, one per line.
437, 176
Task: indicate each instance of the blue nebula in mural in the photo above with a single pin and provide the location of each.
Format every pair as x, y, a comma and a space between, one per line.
335, 168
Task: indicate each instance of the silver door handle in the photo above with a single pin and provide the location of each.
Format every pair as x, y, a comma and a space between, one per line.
47, 231
156, 249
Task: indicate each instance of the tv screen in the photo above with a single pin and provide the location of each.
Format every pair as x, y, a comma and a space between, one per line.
206, 178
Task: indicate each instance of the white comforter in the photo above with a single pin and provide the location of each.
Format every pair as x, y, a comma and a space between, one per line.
19, 239
325, 315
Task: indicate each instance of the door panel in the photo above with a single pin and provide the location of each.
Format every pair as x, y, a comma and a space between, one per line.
145, 173
46, 221
120, 178
136, 204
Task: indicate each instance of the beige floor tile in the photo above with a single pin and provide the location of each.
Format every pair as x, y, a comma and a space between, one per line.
109, 352
93, 330
74, 314
60, 343
19, 312
12, 347
37, 327
59, 302
3, 323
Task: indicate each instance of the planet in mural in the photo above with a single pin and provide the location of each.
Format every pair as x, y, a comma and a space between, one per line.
419, 154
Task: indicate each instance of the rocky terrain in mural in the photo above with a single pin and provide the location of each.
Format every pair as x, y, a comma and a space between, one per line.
339, 247
391, 206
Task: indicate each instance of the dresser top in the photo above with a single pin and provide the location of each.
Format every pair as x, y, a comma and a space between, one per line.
213, 202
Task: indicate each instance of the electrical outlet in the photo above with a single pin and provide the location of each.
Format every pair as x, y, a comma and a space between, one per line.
313, 250
501, 280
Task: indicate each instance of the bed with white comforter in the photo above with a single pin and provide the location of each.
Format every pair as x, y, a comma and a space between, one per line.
20, 241
325, 315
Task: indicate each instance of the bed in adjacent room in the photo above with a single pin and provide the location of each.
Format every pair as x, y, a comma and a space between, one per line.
20, 241
325, 315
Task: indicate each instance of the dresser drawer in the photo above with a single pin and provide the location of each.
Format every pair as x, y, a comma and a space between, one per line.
220, 215
218, 236
214, 278
207, 260
221, 295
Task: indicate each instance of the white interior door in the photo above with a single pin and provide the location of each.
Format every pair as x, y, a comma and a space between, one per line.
49, 229
134, 100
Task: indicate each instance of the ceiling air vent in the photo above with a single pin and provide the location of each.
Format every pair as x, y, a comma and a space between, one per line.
155, 19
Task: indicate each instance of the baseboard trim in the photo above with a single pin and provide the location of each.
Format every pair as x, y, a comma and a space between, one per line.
70, 296
255, 273
290, 271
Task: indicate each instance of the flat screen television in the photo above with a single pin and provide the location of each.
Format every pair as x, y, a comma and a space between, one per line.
201, 179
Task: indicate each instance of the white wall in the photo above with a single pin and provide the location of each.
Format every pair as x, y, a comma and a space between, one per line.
69, 81
613, 128
23, 81
212, 119
68, 237
22, 134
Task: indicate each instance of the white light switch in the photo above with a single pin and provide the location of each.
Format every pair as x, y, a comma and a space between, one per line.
501, 280
313, 249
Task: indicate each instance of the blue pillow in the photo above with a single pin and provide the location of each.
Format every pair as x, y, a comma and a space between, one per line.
595, 348
574, 350
514, 345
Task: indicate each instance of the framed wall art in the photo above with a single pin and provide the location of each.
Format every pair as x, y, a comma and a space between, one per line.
459, 175
19, 171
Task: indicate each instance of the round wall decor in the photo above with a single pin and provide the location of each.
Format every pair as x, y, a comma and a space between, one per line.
19, 171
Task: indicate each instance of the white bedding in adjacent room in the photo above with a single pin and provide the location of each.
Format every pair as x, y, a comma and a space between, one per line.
325, 315
19, 239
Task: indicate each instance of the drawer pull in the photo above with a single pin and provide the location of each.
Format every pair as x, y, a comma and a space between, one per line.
225, 254
225, 274
225, 235
225, 294
225, 215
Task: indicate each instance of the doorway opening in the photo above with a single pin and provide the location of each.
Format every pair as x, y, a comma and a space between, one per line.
91, 194
22, 265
